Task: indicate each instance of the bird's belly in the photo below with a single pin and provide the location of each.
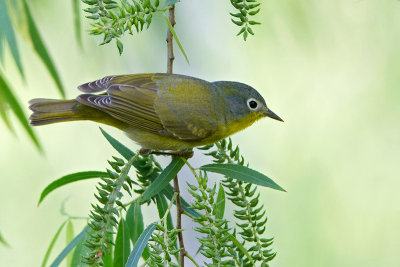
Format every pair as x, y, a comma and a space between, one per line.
154, 141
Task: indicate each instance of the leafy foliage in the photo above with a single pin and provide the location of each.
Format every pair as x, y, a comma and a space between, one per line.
249, 210
7, 33
215, 244
220, 242
163, 242
8, 100
41, 50
104, 216
113, 19
246, 9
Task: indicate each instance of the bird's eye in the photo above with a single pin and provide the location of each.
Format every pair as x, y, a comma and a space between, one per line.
252, 103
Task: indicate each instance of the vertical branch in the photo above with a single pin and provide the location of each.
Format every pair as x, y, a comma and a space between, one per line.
179, 212
170, 62
171, 57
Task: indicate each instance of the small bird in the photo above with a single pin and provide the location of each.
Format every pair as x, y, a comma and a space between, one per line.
160, 111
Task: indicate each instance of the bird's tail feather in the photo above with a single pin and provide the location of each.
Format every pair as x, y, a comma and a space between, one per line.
47, 111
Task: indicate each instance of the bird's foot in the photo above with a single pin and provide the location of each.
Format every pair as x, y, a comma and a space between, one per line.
180, 153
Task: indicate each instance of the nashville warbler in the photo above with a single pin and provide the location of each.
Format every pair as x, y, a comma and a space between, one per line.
160, 111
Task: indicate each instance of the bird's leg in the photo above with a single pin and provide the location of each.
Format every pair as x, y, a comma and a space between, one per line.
179, 153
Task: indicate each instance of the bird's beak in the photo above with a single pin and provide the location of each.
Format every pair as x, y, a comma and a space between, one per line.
272, 115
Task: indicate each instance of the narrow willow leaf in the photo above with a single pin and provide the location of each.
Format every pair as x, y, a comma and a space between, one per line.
123, 150
53, 241
240, 246
40, 48
69, 235
162, 207
80, 251
134, 221
82, 235
220, 204
163, 179
70, 178
3, 241
168, 192
139, 246
176, 38
122, 244
242, 173
77, 20
7, 32
8, 96
4, 115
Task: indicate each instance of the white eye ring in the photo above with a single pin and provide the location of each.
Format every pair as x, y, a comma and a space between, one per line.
252, 104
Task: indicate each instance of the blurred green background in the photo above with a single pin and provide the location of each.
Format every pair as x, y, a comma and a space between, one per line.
330, 69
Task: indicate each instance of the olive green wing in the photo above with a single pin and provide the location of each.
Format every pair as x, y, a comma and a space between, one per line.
186, 107
128, 98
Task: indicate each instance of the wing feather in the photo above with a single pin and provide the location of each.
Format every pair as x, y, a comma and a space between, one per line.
127, 99
171, 105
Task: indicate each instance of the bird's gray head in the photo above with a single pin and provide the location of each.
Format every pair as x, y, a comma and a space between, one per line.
243, 101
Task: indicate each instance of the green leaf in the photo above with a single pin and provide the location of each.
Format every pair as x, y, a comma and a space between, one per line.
239, 23
243, 174
3, 241
240, 246
220, 204
82, 235
53, 241
40, 48
139, 246
6, 93
123, 150
4, 115
163, 179
122, 244
120, 47
80, 251
70, 178
162, 207
69, 235
108, 253
7, 32
77, 20
168, 192
134, 221
176, 38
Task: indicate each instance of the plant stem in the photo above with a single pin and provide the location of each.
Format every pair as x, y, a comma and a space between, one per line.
192, 260
179, 209
179, 212
171, 57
